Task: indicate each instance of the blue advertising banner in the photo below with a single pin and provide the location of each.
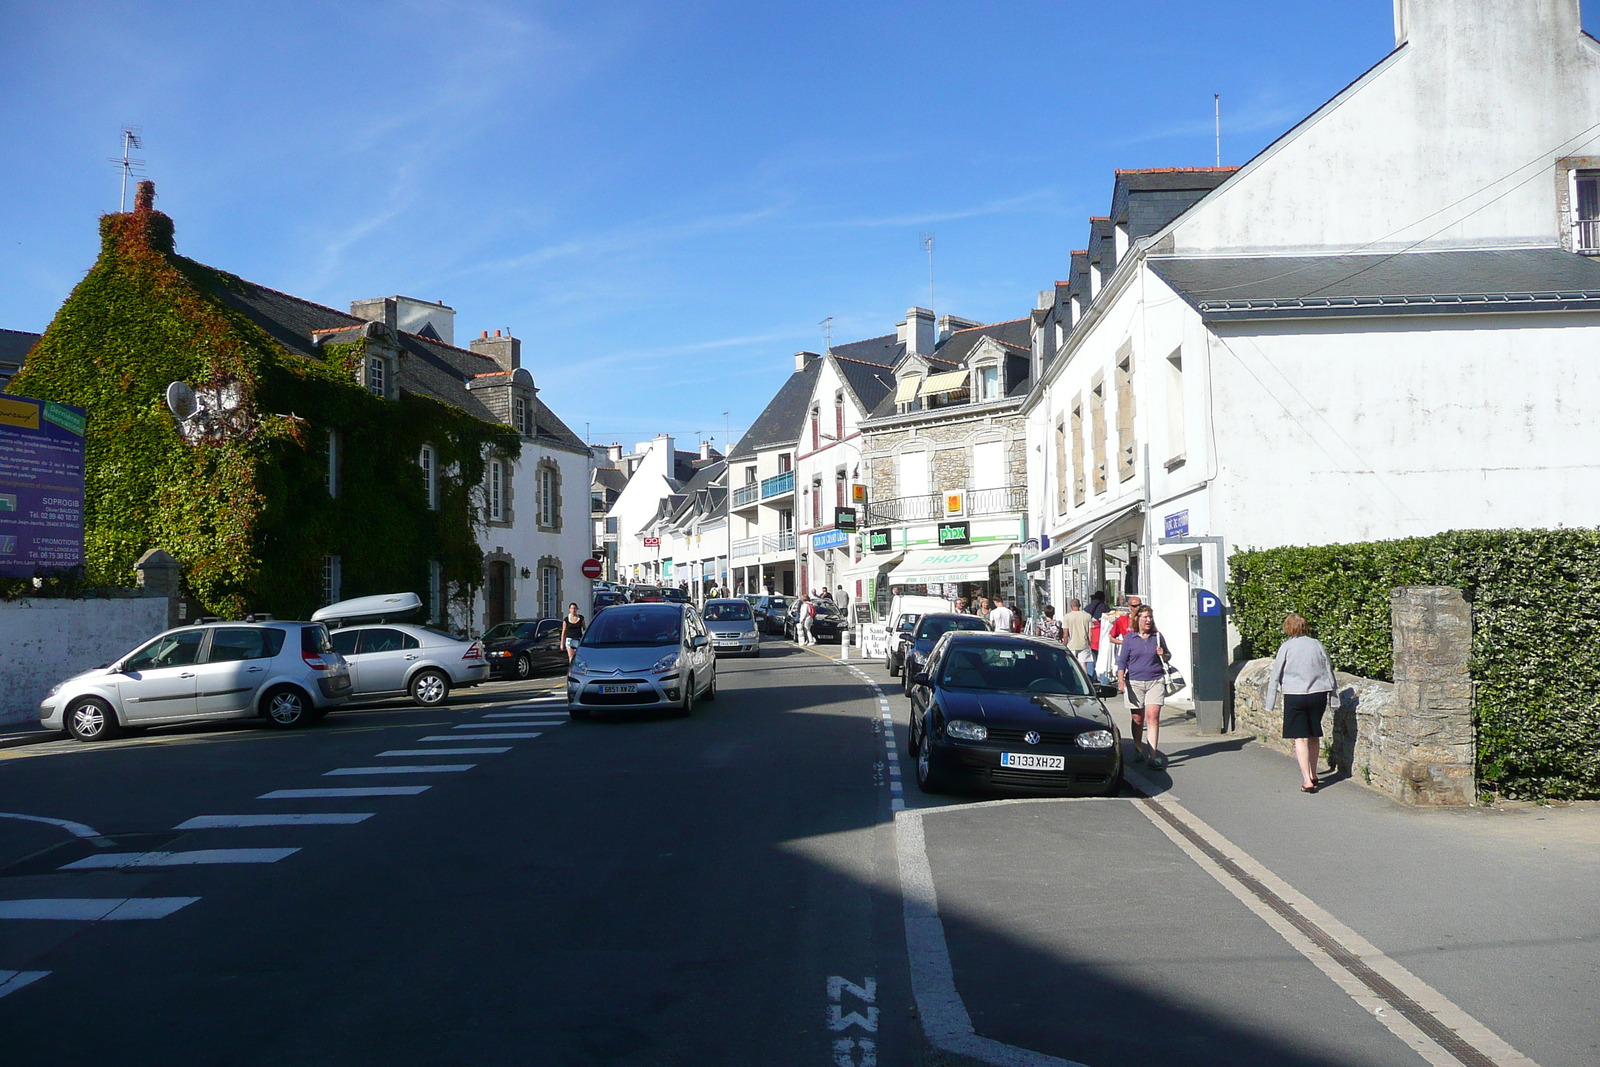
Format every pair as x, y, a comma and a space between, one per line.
829, 539
41, 486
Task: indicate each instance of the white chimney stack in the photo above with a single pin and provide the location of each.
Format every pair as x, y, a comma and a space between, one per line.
919, 333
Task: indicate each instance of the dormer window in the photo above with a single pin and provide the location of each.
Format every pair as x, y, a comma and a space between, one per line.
986, 383
378, 375
519, 416
1586, 211
905, 394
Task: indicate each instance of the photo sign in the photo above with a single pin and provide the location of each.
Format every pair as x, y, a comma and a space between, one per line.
844, 519
879, 540
955, 533
41, 486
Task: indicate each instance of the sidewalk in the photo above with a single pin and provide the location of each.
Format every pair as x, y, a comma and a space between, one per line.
22, 733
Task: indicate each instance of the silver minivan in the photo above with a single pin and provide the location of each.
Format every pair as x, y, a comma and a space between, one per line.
733, 627
642, 656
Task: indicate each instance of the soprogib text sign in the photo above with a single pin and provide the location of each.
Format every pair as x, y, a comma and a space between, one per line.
41, 486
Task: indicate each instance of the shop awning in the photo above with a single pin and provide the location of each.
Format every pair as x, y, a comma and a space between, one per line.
1089, 531
871, 565
906, 391
967, 564
1048, 558
944, 383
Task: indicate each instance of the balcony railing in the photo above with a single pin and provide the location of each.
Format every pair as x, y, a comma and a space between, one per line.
777, 485
745, 495
778, 542
925, 508
749, 546
1586, 234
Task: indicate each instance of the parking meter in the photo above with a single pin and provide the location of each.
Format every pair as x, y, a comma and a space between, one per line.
1210, 682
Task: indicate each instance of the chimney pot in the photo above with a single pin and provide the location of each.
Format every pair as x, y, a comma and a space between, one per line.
484, 334
497, 333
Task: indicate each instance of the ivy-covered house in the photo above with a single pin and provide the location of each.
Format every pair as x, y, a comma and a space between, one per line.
328, 456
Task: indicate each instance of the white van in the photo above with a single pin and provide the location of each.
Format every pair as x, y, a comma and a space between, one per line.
904, 611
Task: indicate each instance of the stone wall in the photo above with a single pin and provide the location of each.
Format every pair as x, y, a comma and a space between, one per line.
48, 641
1411, 740
948, 433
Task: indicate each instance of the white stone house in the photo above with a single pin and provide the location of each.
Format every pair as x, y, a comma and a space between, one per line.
761, 479
656, 472
1381, 326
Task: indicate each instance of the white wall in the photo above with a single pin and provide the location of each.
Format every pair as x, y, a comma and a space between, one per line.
48, 641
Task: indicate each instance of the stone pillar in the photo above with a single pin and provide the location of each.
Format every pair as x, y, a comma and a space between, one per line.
1426, 747
158, 576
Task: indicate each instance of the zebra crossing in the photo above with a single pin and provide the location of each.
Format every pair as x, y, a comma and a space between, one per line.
517, 723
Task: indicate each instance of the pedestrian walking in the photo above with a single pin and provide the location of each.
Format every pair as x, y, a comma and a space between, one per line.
1001, 617
1016, 615
571, 631
1302, 672
1079, 627
1141, 675
1097, 605
1050, 626
961, 605
808, 612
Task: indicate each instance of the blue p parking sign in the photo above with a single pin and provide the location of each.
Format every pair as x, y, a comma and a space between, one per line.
1207, 603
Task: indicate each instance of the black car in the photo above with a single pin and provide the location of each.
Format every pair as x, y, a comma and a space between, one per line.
917, 642
674, 596
646, 594
608, 599
770, 612
524, 648
1006, 712
827, 626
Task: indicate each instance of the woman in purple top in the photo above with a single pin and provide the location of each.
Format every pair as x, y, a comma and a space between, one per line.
1141, 674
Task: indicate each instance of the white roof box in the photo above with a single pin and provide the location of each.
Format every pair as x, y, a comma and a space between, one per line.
370, 608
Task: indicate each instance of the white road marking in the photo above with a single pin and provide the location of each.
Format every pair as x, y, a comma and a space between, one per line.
328, 818
11, 981
521, 715
179, 859
504, 725
474, 737
403, 768
76, 829
93, 909
356, 791
490, 751
535, 707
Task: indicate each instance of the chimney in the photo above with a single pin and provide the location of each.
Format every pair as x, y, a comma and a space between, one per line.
919, 332
144, 197
384, 309
801, 359
504, 350
705, 449
614, 453
949, 324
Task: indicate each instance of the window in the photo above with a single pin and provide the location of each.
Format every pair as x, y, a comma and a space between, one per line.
229, 644
1097, 433
1586, 213
816, 426
986, 380
838, 489
1061, 465
377, 375
785, 463
497, 490
749, 476
549, 591
1078, 486
1126, 446
838, 415
611, 524
913, 473
429, 463
816, 503
330, 473
1175, 427
548, 495
989, 465
172, 650
330, 580
519, 416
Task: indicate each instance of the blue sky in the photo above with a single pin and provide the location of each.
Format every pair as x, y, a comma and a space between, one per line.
662, 200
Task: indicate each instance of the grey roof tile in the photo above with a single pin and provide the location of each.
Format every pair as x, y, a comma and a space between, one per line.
779, 422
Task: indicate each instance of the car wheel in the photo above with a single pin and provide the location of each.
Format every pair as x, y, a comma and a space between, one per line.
913, 742
928, 779
711, 694
286, 707
905, 681
430, 688
524, 665
686, 709
92, 720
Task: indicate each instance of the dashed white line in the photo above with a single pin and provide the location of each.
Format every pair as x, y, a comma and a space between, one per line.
523, 715
93, 909
503, 725
474, 737
119, 860
356, 791
414, 752
286, 818
403, 768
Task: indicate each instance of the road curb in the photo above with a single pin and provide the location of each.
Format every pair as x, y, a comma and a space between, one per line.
32, 737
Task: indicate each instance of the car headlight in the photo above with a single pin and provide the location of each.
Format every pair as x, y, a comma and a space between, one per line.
578, 666
1096, 739
54, 689
966, 731
666, 663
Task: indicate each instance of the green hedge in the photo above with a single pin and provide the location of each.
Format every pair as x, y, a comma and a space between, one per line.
1535, 596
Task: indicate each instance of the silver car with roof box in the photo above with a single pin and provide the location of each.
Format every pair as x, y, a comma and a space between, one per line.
642, 656
390, 658
286, 672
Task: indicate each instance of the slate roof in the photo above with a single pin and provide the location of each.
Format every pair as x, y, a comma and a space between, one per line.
1015, 335
779, 422
1411, 283
610, 477
1146, 201
14, 348
866, 365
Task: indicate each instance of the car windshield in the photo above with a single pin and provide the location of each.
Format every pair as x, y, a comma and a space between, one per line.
907, 623
934, 625
1013, 665
675, 595
505, 630
727, 611
778, 603
637, 627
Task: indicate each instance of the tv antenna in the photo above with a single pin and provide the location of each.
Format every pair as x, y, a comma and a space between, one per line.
927, 246
827, 333
1216, 101
132, 137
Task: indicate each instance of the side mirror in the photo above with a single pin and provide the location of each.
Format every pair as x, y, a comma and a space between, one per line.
921, 678
1103, 690
698, 642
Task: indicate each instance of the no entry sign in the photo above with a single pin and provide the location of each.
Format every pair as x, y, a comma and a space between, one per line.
592, 568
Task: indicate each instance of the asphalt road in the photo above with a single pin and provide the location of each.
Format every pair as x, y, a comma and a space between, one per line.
754, 885
632, 890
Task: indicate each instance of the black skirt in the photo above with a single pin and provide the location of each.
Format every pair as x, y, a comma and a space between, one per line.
1302, 714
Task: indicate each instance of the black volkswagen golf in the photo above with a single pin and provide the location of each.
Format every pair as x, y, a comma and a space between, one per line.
1011, 713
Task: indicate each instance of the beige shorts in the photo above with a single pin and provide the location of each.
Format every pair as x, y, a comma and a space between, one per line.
1141, 693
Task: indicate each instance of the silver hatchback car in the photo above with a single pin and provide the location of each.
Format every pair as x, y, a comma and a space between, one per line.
400, 658
642, 656
733, 627
285, 672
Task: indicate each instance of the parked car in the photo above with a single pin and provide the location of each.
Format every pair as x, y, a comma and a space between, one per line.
827, 626
917, 643
285, 672
395, 657
646, 594
608, 599
642, 656
1012, 713
673, 595
770, 612
524, 648
899, 638
733, 627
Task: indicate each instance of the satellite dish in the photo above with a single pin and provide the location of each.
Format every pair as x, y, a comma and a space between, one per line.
180, 401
